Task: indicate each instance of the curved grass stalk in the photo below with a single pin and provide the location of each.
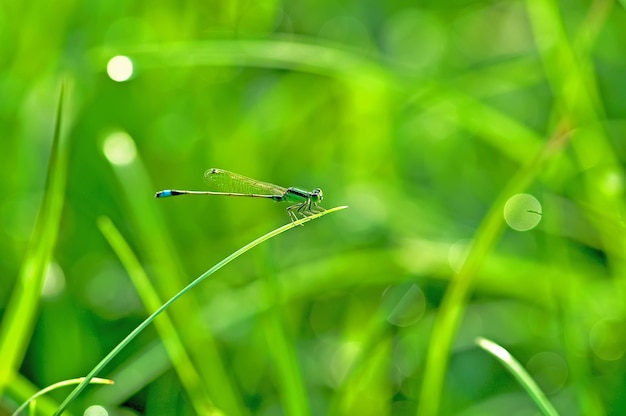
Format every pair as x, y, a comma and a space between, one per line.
520, 374
179, 356
72, 396
55, 386
455, 298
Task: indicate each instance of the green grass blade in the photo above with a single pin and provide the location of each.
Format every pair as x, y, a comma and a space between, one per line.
520, 374
304, 54
363, 388
292, 387
190, 286
132, 374
569, 70
20, 315
569, 61
168, 274
454, 300
21, 389
60, 384
280, 345
178, 355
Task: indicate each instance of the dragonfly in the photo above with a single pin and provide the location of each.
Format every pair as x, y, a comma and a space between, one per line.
225, 183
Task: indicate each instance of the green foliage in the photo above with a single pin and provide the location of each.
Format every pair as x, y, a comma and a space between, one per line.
520, 375
426, 118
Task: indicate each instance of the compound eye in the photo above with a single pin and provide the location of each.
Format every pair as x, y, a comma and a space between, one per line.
319, 193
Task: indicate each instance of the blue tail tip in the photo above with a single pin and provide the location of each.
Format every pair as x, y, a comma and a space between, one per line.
163, 194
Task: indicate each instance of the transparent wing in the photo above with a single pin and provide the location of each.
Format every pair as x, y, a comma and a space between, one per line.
224, 181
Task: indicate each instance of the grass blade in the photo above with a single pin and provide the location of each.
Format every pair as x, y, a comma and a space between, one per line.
301, 53
456, 295
520, 374
190, 286
178, 355
280, 345
21, 310
167, 271
21, 389
60, 384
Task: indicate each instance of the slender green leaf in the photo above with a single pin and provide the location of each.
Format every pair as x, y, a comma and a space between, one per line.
60, 384
520, 374
167, 304
178, 355
21, 311
454, 301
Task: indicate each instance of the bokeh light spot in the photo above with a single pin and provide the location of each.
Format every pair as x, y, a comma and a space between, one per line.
120, 68
612, 183
549, 370
96, 410
110, 293
458, 253
342, 360
409, 353
54, 281
405, 304
522, 212
119, 148
606, 339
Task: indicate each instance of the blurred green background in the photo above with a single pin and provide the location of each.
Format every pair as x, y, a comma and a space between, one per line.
426, 118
